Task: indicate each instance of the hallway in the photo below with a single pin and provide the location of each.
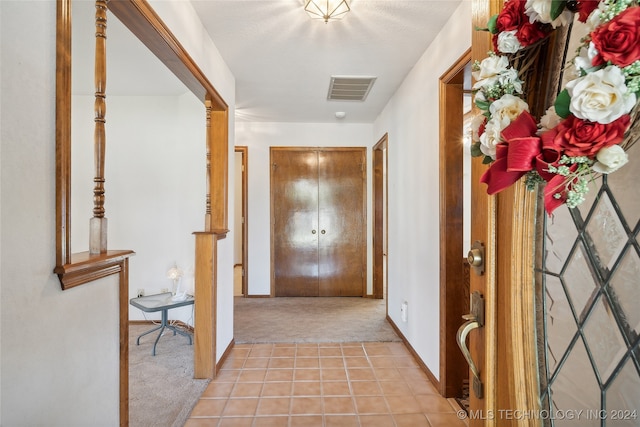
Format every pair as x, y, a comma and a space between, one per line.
359, 384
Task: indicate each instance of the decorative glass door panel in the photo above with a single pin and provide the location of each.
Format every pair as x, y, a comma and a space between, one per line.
589, 287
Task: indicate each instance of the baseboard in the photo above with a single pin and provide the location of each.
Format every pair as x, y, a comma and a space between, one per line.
420, 362
258, 296
225, 355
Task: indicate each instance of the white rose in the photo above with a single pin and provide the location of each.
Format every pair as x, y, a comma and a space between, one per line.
549, 120
610, 159
595, 18
540, 11
508, 42
491, 137
491, 67
507, 108
600, 96
510, 76
475, 127
584, 61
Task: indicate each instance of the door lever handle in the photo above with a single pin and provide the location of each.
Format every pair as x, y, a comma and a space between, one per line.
474, 320
461, 337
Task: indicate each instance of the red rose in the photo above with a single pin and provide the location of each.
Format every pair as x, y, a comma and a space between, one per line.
585, 7
529, 33
618, 40
576, 137
511, 16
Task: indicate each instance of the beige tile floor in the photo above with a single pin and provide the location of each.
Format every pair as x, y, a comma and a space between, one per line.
317, 385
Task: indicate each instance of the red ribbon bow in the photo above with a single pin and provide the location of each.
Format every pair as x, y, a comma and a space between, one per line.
524, 151
514, 157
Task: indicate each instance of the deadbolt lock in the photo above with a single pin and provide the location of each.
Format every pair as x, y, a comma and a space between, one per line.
475, 257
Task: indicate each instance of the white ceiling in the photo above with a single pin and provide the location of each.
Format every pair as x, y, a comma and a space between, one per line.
282, 60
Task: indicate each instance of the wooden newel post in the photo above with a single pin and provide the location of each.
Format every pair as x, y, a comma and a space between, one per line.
98, 224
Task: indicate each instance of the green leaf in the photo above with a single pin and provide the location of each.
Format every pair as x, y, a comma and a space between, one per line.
483, 105
557, 6
475, 150
491, 25
562, 104
487, 160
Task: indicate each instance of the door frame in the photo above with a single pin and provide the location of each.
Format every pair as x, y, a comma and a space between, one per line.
244, 150
453, 291
380, 217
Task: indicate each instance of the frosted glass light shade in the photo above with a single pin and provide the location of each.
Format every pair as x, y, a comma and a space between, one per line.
326, 9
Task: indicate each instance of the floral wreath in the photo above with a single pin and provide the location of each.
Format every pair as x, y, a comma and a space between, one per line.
587, 131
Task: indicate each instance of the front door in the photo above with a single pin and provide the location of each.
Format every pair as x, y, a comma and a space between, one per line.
503, 346
318, 221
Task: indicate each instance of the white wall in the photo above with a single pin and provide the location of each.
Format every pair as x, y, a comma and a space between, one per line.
412, 122
258, 137
155, 186
60, 350
52, 341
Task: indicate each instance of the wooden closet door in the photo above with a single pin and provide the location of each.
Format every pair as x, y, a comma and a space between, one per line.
318, 201
341, 218
294, 209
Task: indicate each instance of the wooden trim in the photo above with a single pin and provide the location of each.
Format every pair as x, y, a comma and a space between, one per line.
85, 267
144, 23
63, 132
380, 204
218, 178
225, 355
123, 303
483, 341
415, 355
516, 278
453, 305
245, 215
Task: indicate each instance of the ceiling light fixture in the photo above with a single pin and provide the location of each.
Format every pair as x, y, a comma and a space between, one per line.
326, 9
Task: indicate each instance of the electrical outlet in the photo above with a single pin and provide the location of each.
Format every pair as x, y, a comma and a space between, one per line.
140, 292
403, 311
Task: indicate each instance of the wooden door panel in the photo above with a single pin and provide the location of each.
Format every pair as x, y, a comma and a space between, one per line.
341, 191
294, 190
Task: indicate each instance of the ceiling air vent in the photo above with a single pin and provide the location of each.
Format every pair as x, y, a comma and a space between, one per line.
348, 88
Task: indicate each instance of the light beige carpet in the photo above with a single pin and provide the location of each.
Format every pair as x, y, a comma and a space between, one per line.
162, 391
345, 319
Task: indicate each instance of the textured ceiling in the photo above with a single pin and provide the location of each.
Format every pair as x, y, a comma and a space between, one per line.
281, 59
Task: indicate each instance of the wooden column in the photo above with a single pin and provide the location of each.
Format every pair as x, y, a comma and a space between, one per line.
98, 224
204, 340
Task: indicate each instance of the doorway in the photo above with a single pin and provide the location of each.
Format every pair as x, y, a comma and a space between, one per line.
454, 278
380, 198
240, 253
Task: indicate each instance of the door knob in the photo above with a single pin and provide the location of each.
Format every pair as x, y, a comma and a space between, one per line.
475, 257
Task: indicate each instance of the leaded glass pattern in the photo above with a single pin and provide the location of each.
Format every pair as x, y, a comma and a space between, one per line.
590, 292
